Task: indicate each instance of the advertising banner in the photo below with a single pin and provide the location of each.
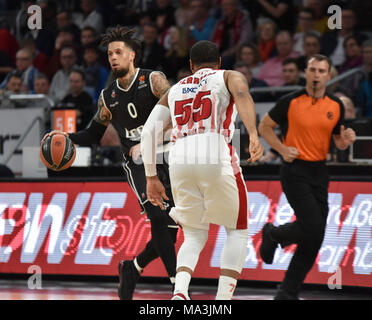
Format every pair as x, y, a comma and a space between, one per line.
86, 228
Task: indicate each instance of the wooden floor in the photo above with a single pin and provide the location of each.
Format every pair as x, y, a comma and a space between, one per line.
73, 290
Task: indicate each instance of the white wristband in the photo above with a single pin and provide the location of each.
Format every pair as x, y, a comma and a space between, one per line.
152, 131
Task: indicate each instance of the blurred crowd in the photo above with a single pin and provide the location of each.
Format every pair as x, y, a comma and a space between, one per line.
267, 40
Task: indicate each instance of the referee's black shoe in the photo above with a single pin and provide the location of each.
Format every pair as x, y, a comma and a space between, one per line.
268, 244
128, 275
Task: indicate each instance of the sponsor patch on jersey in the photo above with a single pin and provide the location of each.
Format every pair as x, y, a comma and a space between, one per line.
113, 94
114, 104
188, 90
142, 83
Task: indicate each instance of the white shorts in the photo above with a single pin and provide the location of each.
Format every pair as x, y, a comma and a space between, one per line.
208, 193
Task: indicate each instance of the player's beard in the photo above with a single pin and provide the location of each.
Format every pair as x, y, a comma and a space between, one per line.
119, 73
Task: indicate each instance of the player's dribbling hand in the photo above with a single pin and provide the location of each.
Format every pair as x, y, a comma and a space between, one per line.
156, 192
255, 148
52, 133
289, 154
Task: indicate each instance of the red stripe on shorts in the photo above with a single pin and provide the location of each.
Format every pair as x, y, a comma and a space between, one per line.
242, 222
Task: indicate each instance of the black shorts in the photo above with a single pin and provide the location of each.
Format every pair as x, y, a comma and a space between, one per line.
137, 180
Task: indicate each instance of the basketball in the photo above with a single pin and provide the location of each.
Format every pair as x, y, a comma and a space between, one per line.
57, 152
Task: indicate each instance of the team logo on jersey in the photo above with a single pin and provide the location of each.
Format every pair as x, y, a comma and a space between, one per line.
330, 115
142, 83
113, 94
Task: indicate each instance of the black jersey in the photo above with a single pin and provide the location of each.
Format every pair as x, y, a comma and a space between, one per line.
130, 107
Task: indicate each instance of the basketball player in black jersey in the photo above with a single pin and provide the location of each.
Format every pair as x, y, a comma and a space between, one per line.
126, 104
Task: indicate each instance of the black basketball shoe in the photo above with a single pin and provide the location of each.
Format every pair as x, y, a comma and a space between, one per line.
128, 275
268, 245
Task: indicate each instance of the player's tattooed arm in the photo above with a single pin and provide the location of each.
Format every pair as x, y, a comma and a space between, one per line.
103, 114
160, 84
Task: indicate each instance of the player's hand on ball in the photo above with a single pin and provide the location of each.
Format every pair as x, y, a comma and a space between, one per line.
53, 133
156, 192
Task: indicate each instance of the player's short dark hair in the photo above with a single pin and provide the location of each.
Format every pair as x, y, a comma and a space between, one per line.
204, 53
320, 57
123, 34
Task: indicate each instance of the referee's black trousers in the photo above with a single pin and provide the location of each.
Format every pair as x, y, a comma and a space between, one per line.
305, 185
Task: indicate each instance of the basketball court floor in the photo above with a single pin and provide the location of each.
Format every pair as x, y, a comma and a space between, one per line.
87, 290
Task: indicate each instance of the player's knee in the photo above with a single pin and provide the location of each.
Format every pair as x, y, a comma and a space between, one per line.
235, 249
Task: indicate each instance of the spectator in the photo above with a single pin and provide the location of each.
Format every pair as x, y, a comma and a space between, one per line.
14, 83
65, 37
163, 17
178, 54
350, 114
306, 20
266, 39
280, 11
6, 65
89, 16
292, 73
352, 86
13, 86
321, 20
40, 60
202, 22
243, 67
88, 36
42, 86
272, 71
8, 43
353, 54
95, 74
183, 14
363, 98
79, 99
332, 42
311, 46
233, 29
64, 19
153, 54
249, 54
24, 66
59, 87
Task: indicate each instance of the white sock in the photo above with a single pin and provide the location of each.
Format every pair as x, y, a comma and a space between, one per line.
137, 265
182, 282
226, 288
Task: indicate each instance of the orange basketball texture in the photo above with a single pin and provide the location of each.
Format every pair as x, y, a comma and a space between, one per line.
57, 152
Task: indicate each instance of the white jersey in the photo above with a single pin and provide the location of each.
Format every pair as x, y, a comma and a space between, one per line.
207, 183
201, 103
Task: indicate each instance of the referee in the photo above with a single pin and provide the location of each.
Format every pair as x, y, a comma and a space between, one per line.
308, 119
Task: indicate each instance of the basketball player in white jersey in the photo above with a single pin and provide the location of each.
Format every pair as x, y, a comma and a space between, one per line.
206, 178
